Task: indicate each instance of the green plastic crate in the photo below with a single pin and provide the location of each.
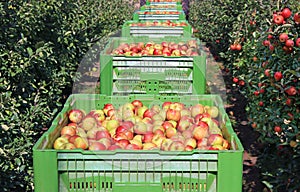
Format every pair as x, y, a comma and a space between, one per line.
170, 7
158, 72
156, 31
140, 171
141, 16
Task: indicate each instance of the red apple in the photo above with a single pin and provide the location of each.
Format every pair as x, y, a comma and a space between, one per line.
102, 134
278, 19
95, 146
166, 105
173, 114
297, 18
76, 115
98, 114
149, 113
106, 141
215, 139
72, 138
297, 42
114, 147
137, 103
278, 76
68, 130
132, 146
107, 107
202, 143
291, 91
147, 137
286, 13
123, 143
289, 43
283, 37
170, 132
167, 124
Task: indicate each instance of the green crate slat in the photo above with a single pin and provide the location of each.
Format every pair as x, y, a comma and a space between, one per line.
152, 69
156, 31
140, 16
163, 2
126, 170
170, 7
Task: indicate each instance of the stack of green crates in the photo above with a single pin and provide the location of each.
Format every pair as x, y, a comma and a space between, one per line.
152, 80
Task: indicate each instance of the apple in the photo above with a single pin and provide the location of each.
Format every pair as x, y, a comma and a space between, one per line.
176, 146
197, 109
278, 76
72, 124
216, 147
98, 114
202, 143
91, 134
95, 146
183, 125
167, 124
170, 132
278, 19
283, 37
215, 139
106, 141
112, 125
157, 140
200, 132
213, 111
123, 143
286, 13
190, 142
137, 103
76, 115
81, 132
132, 146
173, 114
81, 143
111, 112
187, 133
177, 106
68, 130
289, 43
107, 107
185, 112
291, 91
188, 148
88, 122
147, 137
149, 146
114, 147
149, 113
137, 143
102, 134
72, 138
165, 145
226, 144
140, 128
69, 146
155, 109
60, 143
166, 105
141, 111
297, 42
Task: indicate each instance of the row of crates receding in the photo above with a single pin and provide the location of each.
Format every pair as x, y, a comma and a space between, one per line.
153, 78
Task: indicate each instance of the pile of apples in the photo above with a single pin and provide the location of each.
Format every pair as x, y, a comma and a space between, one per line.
189, 48
164, 1
134, 126
159, 12
167, 23
160, 6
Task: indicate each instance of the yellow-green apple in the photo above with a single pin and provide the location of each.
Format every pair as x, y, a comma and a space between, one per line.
165, 145
96, 146
185, 112
157, 117
216, 147
157, 122
176, 146
140, 128
226, 144
183, 125
157, 140
170, 132
89, 122
149, 146
158, 46
197, 109
147, 120
174, 123
91, 134
177, 106
176, 52
155, 108
68, 130
128, 106
112, 124
213, 111
137, 143
173, 114
141, 111
81, 143
191, 142
76, 115
69, 146
178, 137
127, 114
60, 143
81, 132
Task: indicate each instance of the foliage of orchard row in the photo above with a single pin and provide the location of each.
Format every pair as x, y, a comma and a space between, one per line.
42, 44
260, 46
